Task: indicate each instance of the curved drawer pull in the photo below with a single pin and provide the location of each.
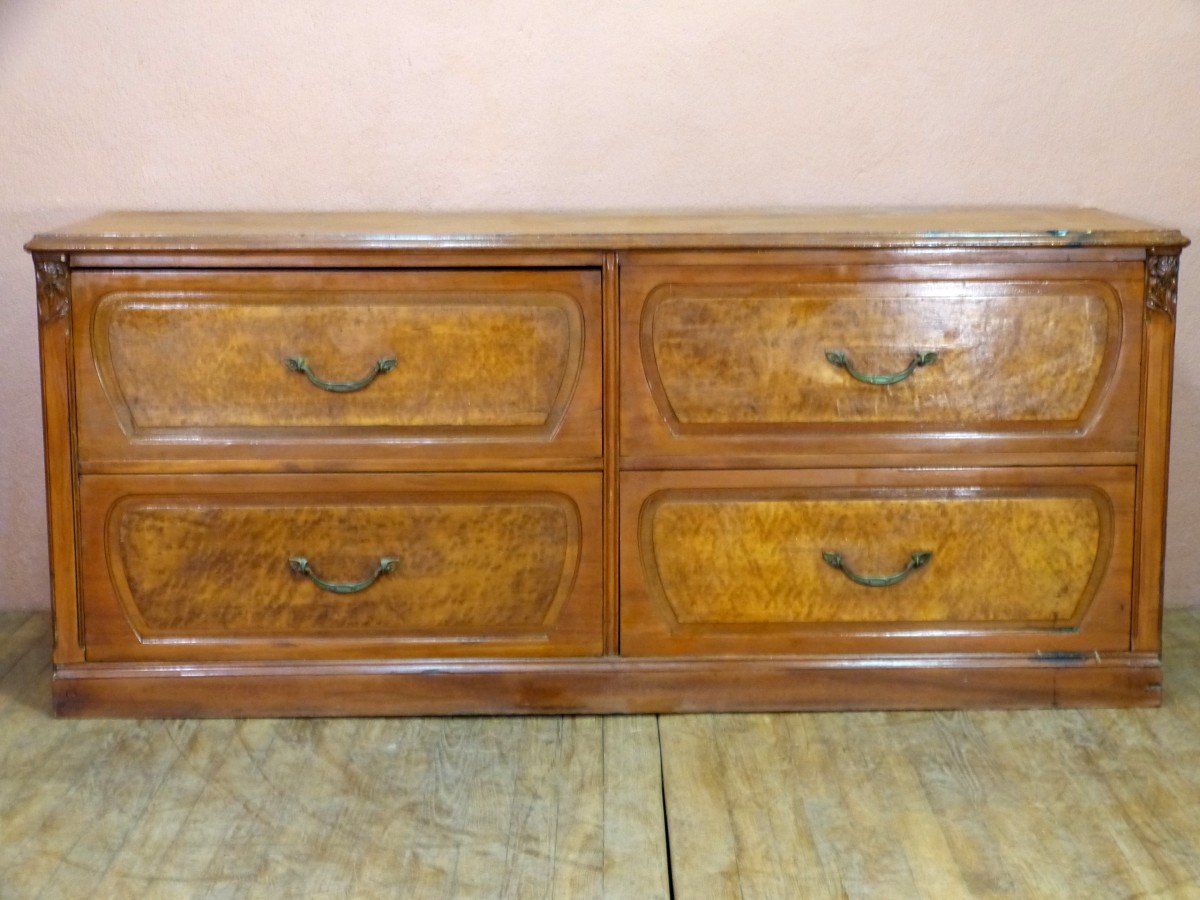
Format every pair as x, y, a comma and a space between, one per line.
918, 559
920, 358
300, 364
301, 567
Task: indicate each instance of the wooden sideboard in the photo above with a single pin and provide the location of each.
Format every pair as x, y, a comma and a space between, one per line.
321, 464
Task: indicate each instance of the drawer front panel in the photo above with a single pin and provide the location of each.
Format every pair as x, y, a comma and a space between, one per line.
770, 359
451, 362
397, 566
790, 562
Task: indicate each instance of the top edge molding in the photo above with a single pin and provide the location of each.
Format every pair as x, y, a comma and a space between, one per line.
998, 227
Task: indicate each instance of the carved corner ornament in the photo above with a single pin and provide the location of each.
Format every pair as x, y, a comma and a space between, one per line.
53, 287
1162, 282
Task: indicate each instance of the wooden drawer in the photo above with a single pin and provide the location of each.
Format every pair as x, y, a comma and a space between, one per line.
218, 567
365, 368
772, 562
741, 363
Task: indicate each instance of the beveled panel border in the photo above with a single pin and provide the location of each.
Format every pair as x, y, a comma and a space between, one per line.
1103, 626
113, 630
1102, 435
109, 305
944, 290
658, 593
572, 439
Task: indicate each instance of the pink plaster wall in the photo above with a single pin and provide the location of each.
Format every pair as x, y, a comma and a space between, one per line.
571, 104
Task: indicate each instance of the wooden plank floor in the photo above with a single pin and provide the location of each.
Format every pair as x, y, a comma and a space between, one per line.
1095, 803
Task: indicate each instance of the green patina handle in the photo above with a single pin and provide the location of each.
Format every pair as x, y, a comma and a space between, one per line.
920, 358
918, 559
300, 566
300, 364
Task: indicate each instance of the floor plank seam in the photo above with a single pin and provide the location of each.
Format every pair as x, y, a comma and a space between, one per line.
1073, 803
662, 782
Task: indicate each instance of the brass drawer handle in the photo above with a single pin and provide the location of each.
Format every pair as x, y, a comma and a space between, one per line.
920, 358
301, 567
300, 364
918, 559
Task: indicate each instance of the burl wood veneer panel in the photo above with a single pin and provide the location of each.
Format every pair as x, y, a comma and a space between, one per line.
417, 363
754, 359
993, 557
470, 363
737, 360
740, 562
424, 564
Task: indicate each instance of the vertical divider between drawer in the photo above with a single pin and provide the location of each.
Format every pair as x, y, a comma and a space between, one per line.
610, 423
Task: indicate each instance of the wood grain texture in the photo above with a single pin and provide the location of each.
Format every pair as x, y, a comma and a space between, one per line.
476, 362
732, 562
722, 558
374, 807
755, 355
865, 228
198, 567
186, 365
724, 364
212, 567
1093, 803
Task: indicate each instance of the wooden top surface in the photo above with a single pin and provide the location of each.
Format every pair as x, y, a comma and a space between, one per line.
818, 228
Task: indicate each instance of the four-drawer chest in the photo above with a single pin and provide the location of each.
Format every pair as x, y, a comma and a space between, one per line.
369, 463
